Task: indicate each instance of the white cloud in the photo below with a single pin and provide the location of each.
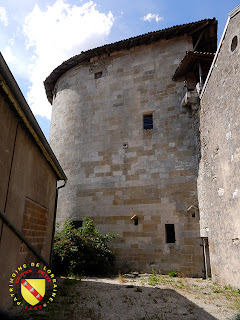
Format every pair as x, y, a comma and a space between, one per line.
149, 17
57, 34
8, 55
17, 61
3, 16
11, 42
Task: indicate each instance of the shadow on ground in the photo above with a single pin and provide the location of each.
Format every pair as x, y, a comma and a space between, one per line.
93, 300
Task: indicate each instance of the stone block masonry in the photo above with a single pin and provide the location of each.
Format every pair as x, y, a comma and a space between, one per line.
116, 169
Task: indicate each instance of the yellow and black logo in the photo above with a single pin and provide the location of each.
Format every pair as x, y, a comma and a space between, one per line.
33, 290
32, 286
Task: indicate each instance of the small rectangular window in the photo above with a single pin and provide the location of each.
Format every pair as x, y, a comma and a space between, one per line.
98, 75
147, 121
170, 233
77, 224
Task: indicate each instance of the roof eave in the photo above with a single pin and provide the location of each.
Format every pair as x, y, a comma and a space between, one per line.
190, 56
15, 95
168, 33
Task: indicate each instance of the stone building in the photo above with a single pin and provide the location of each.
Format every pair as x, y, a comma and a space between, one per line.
126, 136
29, 173
218, 182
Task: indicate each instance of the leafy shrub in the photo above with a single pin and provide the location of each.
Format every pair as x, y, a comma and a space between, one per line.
83, 250
173, 273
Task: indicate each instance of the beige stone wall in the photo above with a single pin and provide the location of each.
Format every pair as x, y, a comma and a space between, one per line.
116, 169
218, 182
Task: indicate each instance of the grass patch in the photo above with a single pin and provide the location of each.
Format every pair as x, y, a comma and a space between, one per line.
153, 280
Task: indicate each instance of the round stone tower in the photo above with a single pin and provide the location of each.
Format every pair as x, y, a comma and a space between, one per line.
128, 152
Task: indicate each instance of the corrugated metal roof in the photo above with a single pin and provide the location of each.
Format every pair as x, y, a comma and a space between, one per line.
144, 39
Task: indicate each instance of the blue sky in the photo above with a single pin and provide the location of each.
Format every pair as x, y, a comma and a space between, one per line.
38, 35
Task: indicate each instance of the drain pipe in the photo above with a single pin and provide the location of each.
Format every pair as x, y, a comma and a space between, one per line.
54, 218
205, 258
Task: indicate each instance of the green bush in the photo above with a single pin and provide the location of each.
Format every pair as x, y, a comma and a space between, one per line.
82, 251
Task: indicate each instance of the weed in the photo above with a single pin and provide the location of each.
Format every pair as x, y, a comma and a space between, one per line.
179, 284
169, 280
137, 289
152, 280
233, 292
173, 273
121, 279
230, 307
154, 272
217, 291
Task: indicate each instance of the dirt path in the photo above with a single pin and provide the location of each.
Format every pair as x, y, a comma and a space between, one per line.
144, 297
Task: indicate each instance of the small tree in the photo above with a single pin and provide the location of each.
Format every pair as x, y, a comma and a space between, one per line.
83, 250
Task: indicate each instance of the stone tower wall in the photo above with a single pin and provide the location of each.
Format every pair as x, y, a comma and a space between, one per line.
116, 169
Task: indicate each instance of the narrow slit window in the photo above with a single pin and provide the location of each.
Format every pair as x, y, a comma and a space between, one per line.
98, 75
77, 224
170, 233
148, 121
136, 222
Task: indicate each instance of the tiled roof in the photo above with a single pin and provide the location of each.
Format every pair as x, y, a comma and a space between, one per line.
189, 59
120, 45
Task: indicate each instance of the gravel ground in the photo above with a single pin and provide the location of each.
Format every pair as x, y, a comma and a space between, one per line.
138, 297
